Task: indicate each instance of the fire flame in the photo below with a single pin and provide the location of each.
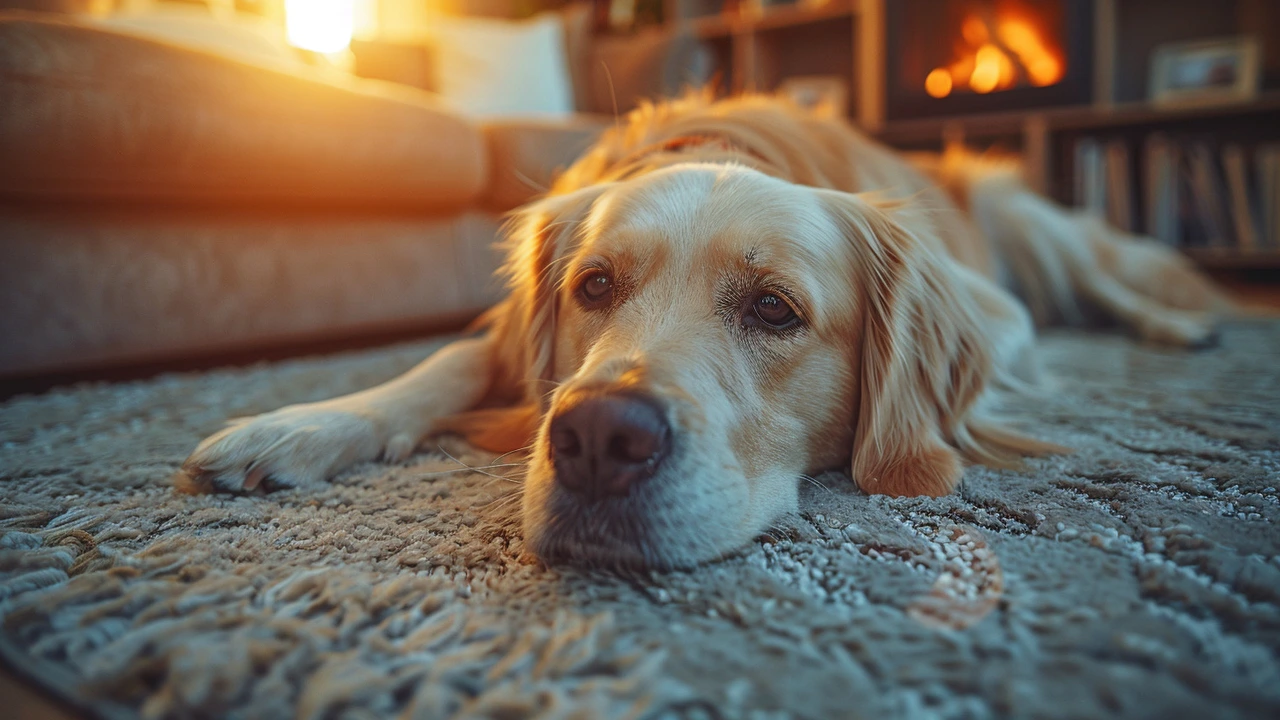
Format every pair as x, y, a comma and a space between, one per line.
996, 60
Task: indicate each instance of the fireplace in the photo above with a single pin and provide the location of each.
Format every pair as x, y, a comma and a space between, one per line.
956, 57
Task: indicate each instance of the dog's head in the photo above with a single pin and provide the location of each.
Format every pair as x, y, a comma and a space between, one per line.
694, 340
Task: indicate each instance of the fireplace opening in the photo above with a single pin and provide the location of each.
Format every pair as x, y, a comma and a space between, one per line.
972, 56
997, 48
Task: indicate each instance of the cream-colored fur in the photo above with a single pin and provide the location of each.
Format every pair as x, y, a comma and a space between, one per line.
695, 211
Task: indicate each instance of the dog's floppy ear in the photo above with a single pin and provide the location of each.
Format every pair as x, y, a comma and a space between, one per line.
924, 359
522, 327
539, 237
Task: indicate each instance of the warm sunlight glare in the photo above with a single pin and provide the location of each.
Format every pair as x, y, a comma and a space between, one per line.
365, 24
322, 26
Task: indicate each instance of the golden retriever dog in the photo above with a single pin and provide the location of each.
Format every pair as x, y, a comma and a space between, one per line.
721, 297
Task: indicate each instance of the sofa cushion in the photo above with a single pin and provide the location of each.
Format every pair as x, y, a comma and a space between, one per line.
98, 287
525, 156
94, 114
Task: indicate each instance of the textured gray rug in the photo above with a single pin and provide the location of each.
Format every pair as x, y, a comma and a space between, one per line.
1139, 576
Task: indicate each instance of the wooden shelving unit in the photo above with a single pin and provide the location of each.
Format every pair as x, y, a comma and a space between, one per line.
1125, 33
760, 47
1045, 139
1215, 259
747, 20
1087, 117
788, 16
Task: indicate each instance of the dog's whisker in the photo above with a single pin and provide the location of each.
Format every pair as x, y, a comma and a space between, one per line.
530, 182
613, 95
475, 469
485, 467
511, 452
505, 501
814, 482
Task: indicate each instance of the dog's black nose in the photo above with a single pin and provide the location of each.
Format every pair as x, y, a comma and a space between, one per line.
605, 444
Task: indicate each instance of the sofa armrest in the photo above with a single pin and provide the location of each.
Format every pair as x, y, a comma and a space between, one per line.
526, 155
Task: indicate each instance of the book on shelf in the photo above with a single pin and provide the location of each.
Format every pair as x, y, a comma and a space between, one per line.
1091, 179
1188, 192
1267, 169
1161, 182
1208, 196
1119, 190
1233, 165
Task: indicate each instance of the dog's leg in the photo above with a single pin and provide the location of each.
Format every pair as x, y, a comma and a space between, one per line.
1028, 218
1149, 313
300, 444
1151, 268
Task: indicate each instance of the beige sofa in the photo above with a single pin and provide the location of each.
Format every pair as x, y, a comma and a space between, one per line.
160, 203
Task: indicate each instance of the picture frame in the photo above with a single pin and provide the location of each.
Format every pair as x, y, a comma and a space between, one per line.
1205, 72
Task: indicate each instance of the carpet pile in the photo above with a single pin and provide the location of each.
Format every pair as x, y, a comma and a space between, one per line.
1137, 576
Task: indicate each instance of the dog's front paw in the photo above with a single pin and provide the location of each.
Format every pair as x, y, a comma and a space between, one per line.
293, 446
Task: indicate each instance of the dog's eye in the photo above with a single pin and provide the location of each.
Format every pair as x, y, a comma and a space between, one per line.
596, 289
774, 312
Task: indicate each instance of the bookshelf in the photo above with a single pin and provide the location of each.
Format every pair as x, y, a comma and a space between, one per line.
1087, 117
759, 46
1120, 120
1049, 140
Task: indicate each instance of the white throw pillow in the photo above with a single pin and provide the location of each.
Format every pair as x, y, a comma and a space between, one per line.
502, 68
